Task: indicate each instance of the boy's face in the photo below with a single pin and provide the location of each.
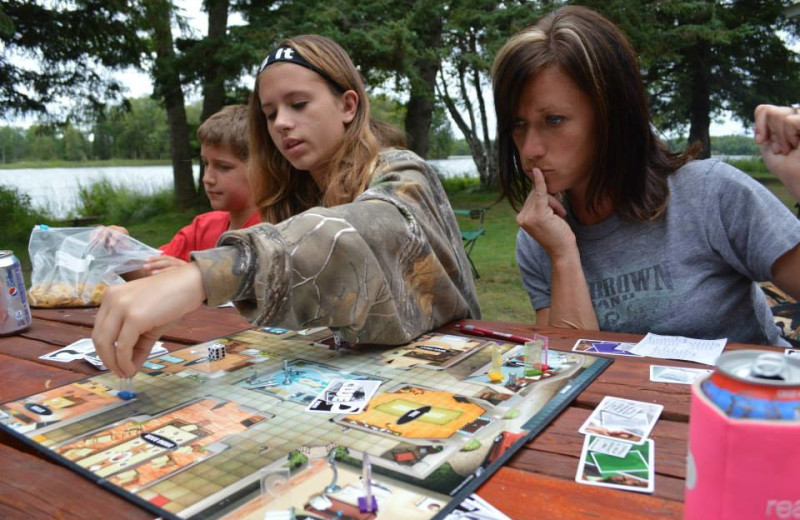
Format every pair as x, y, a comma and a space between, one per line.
225, 178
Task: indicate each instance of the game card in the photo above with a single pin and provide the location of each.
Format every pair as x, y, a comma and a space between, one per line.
594, 346
474, 507
311, 331
680, 375
71, 352
622, 419
336, 343
435, 351
344, 396
278, 332
633, 472
610, 447
94, 359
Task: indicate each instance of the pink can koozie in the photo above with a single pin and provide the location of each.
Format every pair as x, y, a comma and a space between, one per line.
740, 469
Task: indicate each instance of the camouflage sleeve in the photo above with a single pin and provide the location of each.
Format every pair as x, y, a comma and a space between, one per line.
383, 269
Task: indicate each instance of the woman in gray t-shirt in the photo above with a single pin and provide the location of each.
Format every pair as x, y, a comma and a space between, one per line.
617, 230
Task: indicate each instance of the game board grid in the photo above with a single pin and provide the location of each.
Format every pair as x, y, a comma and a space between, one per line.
269, 441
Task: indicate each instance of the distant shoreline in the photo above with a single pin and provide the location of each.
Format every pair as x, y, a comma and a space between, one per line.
36, 165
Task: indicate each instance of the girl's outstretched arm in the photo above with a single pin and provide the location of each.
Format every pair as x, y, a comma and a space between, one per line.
134, 315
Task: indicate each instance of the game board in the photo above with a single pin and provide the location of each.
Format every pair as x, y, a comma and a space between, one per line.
232, 438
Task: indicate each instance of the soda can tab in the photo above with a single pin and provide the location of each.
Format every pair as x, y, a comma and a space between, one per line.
15, 313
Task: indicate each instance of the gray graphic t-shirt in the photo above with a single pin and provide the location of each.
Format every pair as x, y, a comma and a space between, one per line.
691, 272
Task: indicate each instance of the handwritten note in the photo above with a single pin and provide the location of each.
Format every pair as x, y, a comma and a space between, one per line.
704, 351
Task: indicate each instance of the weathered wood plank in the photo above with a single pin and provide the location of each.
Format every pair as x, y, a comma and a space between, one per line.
33, 489
527, 495
565, 467
22, 378
198, 326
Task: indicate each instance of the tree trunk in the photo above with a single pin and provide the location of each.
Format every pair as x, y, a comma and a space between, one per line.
468, 130
213, 79
700, 104
421, 102
419, 111
168, 86
489, 172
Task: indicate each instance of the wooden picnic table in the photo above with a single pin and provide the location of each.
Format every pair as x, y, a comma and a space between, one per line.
538, 482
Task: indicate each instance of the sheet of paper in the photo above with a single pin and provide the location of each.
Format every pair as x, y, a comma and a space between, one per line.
680, 375
704, 351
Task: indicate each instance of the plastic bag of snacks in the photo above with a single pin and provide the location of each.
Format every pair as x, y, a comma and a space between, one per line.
73, 266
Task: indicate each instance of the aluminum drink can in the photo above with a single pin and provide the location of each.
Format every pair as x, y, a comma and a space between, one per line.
15, 314
754, 384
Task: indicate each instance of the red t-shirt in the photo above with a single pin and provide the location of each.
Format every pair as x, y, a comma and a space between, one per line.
202, 233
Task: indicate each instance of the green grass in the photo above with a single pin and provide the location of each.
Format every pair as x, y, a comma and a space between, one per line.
500, 291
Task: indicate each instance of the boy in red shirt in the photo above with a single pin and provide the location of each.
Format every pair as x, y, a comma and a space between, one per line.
224, 152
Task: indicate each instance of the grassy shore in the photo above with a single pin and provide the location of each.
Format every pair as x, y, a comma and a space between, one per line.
499, 288
25, 165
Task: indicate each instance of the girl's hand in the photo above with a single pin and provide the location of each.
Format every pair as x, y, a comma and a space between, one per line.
161, 263
134, 315
542, 217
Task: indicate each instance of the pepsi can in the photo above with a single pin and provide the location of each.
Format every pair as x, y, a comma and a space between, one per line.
15, 314
754, 384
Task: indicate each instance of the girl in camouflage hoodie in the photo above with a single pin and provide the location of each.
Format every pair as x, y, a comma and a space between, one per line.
356, 239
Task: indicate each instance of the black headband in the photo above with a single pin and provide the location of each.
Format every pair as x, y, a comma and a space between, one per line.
290, 55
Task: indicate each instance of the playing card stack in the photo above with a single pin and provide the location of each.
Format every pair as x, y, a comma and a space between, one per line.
617, 452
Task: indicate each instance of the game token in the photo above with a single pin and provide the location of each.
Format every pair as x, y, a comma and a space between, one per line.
126, 392
496, 373
367, 503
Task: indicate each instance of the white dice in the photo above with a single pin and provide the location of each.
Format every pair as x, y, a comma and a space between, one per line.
216, 351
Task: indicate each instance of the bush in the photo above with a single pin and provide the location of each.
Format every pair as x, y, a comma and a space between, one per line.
17, 216
117, 204
458, 184
755, 167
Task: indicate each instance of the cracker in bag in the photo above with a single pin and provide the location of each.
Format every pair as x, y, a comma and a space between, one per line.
72, 267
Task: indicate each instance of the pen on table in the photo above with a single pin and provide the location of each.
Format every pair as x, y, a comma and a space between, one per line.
496, 334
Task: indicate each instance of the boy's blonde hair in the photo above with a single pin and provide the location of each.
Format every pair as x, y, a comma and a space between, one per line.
228, 127
280, 190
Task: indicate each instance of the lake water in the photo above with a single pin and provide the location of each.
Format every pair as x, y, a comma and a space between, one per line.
56, 189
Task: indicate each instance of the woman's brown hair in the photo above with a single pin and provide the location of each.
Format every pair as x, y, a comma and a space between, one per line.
280, 190
632, 164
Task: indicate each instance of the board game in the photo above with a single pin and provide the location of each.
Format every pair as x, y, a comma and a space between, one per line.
270, 424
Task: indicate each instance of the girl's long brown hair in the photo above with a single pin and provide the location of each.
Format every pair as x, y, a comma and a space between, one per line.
282, 191
632, 163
